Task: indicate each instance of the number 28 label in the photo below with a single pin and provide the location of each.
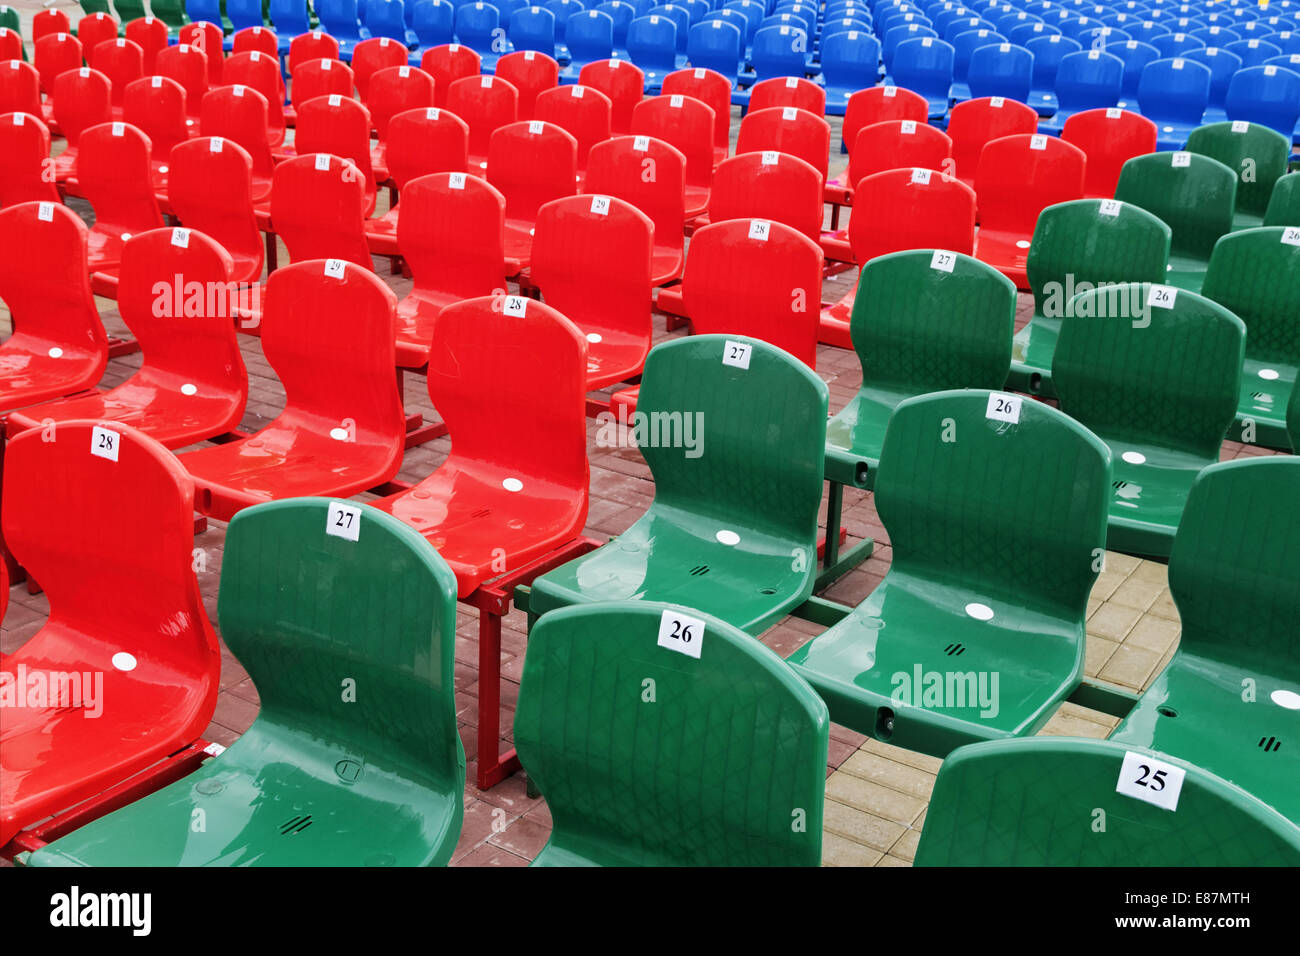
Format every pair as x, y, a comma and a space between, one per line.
681, 633
1153, 781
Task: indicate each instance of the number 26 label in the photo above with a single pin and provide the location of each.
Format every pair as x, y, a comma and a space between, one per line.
681, 633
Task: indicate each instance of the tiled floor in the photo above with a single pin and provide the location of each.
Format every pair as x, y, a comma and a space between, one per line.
876, 794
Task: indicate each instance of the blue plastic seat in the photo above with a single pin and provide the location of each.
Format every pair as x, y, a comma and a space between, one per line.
1048, 53
850, 62
1288, 41
1024, 32
681, 18
622, 14
895, 35
477, 26
778, 51
533, 28
1176, 44
1216, 35
1268, 95
1001, 69
753, 12
1135, 55
1253, 52
1222, 65
386, 18
339, 18
1088, 79
433, 22
964, 44
925, 66
1148, 30
242, 14
843, 25
563, 10
1173, 93
589, 37
716, 45
652, 46
290, 18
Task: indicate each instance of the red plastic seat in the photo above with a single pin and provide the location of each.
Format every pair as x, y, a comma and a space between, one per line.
622, 82
315, 45
486, 104
875, 105
238, 114
109, 536
53, 54
687, 124
191, 384
420, 142
750, 277
210, 188
150, 35
973, 124
901, 209
24, 160
318, 206
494, 505
188, 67
447, 64
95, 28
58, 345
337, 125
1018, 177
260, 72
115, 176
576, 240
371, 56
1109, 138
327, 332
20, 88
787, 129
531, 163
393, 90
320, 77
156, 106
122, 61
48, 21
530, 73
895, 144
82, 99
651, 175
206, 38
768, 185
11, 44
454, 244
788, 91
713, 90
582, 111
255, 38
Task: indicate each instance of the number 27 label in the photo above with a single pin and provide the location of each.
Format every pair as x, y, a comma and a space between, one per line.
681, 633
343, 521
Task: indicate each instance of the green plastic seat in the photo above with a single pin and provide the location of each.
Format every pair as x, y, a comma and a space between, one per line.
1293, 420
923, 321
1284, 206
1077, 245
1197, 201
1256, 274
92, 7
9, 18
1158, 385
354, 759
128, 10
732, 529
977, 630
1052, 801
1258, 154
1229, 699
654, 752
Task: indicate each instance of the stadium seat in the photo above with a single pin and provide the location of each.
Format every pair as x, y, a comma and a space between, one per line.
188, 67
340, 126
1245, 146
433, 22
925, 65
964, 44
787, 130
1176, 44
1194, 195
115, 176
1283, 207
564, 10
892, 35
1136, 55
20, 89
447, 64
121, 61
895, 144
530, 73
787, 91
191, 384
686, 124
124, 606
340, 19
531, 163
1254, 51
1268, 95
1227, 697
54, 54
732, 532
24, 153
1078, 246
486, 104
318, 208
1089, 79
342, 427
1252, 273
622, 14
309, 46
589, 35
310, 764
766, 185
974, 124
622, 82
49, 21
420, 142
1174, 94
652, 46
1222, 66
488, 509
205, 38
713, 90
386, 20
777, 51
1017, 178
58, 346
654, 796
850, 62
1048, 52
255, 38
240, 117
717, 46
11, 44
1154, 372
878, 104
393, 90
1109, 138
923, 321
583, 112
291, 18
946, 593
313, 78
82, 98
260, 72
1001, 69
1019, 803
171, 12
210, 189
616, 168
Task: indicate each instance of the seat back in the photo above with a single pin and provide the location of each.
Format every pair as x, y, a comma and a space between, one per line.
1001, 69
1269, 95
188, 67
238, 114
1222, 65
433, 21
1089, 79
1174, 90
446, 64
1019, 176
20, 88
119, 59
53, 54
532, 163
932, 496
1018, 803
714, 91
210, 188
1253, 51
533, 28
717, 46
372, 55
255, 38
1284, 206
925, 65
24, 159
622, 14
156, 106
789, 130
1252, 272
423, 141
292, 590
973, 124
1195, 200
1141, 373
757, 278
583, 112
48, 21
638, 792
341, 126
339, 18
781, 91
11, 44
850, 61
768, 185
486, 104
1108, 138
1257, 152
966, 43
260, 72
386, 19
899, 143
902, 209
477, 24
318, 205
1176, 44
652, 44
323, 77
452, 235
622, 82
1135, 55
618, 167
1048, 53
115, 177
918, 327
308, 46
881, 103
82, 99
779, 51
395, 89
206, 38
530, 73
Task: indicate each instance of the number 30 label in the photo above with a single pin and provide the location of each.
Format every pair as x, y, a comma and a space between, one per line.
681, 633
343, 521
1154, 781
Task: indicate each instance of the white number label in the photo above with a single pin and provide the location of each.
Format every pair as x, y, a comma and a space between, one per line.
1153, 781
1162, 297
769, 155
759, 228
1291, 235
323, 161
1004, 408
1114, 112
681, 633
921, 176
943, 260
456, 181
181, 238
641, 143
534, 127
1109, 207
343, 521
334, 268
736, 354
907, 127
1181, 160
600, 205
45, 212
1038, 141
789, 113
104, 443
1240, 126
996, 102
515, 305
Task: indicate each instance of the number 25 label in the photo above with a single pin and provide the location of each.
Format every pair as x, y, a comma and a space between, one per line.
681, 633
1154, 781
